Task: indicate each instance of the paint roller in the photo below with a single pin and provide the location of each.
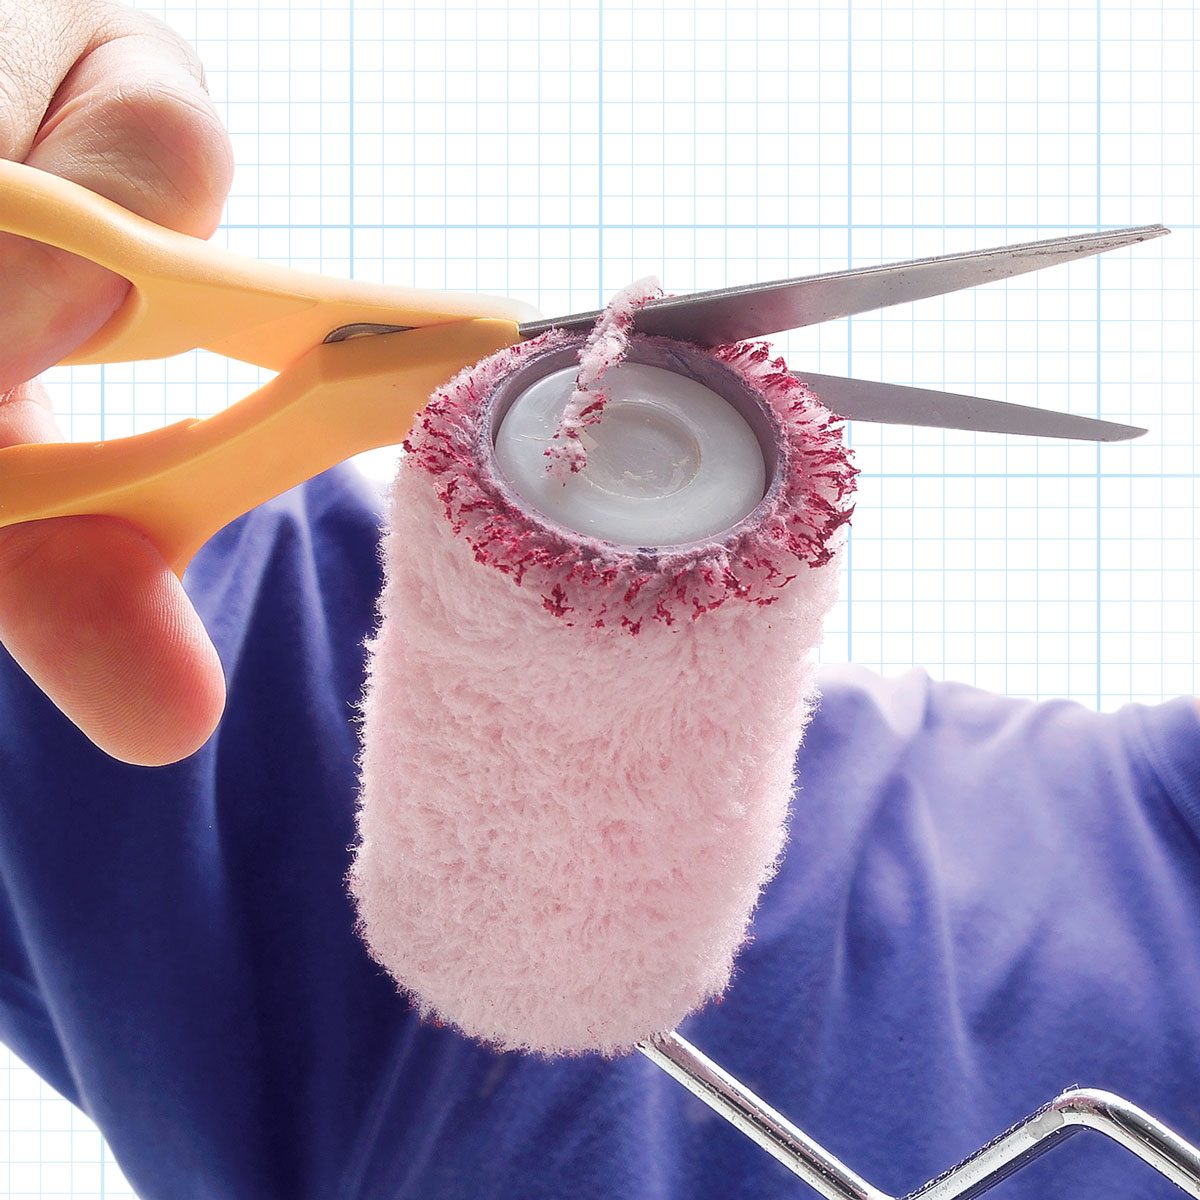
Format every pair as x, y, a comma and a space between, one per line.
607, 561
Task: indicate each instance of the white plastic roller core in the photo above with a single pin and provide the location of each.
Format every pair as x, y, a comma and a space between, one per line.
669, 461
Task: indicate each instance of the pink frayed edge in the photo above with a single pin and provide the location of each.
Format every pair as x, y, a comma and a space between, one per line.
584, 581
606, 345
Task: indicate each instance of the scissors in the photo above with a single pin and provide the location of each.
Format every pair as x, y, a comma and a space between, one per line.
356, 360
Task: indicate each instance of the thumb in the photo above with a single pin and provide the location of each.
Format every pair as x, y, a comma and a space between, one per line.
94, 616
101, 624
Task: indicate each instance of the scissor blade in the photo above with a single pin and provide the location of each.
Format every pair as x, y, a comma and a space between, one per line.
893, 404
758, 309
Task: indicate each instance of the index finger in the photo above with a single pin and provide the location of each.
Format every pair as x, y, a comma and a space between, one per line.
128, 118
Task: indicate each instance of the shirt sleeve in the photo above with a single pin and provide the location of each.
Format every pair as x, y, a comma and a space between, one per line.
1165, 739
26, 1024
993, 899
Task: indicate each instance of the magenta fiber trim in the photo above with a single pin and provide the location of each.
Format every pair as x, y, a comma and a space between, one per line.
585, 581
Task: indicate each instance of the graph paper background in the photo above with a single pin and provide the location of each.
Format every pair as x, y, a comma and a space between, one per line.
554, 152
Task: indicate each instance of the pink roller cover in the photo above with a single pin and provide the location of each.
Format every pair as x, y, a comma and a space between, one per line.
577, 756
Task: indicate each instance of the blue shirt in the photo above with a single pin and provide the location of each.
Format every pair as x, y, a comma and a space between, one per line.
983, 901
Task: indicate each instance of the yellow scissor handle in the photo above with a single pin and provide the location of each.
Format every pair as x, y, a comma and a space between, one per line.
182, 483
187, 292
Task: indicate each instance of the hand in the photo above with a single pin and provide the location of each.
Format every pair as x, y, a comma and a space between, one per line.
114, 100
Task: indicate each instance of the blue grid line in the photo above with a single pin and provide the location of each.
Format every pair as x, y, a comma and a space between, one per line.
848, 572
600, 192
1099, 376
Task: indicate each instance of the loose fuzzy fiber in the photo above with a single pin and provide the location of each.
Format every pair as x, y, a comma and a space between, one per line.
606, 345
577, 758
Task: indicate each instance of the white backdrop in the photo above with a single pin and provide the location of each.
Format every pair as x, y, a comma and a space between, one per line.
555, 151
